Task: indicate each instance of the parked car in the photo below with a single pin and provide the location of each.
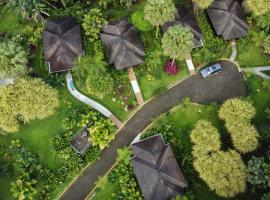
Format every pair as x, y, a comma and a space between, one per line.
206, 72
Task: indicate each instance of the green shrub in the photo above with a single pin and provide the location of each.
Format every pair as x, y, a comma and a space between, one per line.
137, 19
13, 60
93, 22
259, 172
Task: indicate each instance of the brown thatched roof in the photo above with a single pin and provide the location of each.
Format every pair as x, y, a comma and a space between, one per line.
156, 169
122, 43
62, 43
185, 17
228, 19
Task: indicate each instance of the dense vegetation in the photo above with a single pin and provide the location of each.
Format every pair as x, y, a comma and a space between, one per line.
38, 162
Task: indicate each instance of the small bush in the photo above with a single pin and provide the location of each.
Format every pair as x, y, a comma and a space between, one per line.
137, 19
171, 69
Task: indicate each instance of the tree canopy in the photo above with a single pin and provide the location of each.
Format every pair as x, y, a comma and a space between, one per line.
203, 4
102, 132
237, 115
224, 172
206, 139
27, 99
177, 42
157, 12
258, 7
13, 60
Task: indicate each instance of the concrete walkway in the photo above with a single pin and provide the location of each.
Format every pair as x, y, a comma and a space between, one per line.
100, 108
258, 71
234, 51
226, 84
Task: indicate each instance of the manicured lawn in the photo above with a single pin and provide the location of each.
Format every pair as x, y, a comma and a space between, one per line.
152, 88
252, 56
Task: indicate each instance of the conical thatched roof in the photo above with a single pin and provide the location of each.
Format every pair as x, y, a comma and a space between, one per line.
186, 17
156, 169
228, 19
62, 43
122, 43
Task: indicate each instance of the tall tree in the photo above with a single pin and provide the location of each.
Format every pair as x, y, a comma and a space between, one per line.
224, 172
177, 42
206, 139
258, 7
157, 12
13, 60
237, 115
27, 99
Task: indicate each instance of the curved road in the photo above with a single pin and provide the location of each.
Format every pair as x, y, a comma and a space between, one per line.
226, 84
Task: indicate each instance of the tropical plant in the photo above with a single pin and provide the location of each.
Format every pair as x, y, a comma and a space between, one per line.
177, 42
258, 7
259, 172
93, 70
93, 22
23, 187
157, 12
137, 19
102, 132
29, 9
124, 175
27, 99
13, 60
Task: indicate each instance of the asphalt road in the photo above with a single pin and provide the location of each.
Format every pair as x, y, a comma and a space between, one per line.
226, 84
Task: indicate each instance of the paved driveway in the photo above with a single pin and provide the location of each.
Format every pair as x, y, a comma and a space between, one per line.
226, 84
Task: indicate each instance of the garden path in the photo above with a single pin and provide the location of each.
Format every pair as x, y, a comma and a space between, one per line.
234, 51
100, 108
258, 71
226, 84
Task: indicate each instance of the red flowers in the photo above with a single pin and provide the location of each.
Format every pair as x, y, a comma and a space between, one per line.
171, 69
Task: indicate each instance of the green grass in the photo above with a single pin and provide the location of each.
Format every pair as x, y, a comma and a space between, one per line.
38, 134
9, 21
152, 88
4, 188
105, 190
252, 56
107, 101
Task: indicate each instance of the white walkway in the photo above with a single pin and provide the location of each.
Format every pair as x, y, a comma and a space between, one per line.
71, 87
258, 71
234, 51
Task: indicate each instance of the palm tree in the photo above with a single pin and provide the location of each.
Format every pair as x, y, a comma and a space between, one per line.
177, 42
157, 12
